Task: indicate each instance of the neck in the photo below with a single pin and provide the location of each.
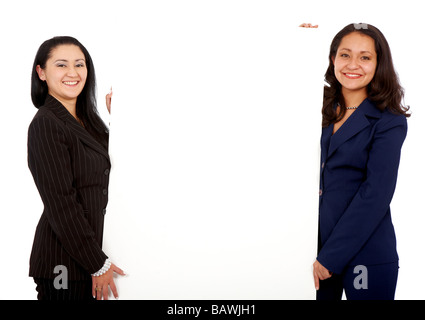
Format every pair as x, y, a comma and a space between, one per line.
353, 99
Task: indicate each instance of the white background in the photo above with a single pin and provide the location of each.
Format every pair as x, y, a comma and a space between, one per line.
214, 140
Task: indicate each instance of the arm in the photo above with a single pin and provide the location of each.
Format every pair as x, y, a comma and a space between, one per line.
371, 202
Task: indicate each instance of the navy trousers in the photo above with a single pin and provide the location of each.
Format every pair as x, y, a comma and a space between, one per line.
374, 282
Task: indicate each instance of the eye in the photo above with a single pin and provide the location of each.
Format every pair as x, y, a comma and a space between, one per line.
344, 55
61, 65
365, 58
80, 65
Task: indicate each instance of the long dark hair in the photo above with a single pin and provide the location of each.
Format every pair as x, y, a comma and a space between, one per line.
384, 90
86, 107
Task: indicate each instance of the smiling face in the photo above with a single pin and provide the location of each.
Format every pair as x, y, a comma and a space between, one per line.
65, 73
355, 63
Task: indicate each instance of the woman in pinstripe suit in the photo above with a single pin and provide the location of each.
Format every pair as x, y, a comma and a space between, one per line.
68, 158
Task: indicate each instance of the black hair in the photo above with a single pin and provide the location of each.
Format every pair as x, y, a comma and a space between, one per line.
86, 107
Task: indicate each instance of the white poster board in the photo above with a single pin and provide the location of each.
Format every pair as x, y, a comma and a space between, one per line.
215, 146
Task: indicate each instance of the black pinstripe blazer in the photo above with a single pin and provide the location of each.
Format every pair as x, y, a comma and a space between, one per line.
71, 171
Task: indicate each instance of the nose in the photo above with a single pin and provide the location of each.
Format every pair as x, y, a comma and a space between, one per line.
72, 72
353, 64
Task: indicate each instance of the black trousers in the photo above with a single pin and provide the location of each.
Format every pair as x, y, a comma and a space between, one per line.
375, 282
76, 290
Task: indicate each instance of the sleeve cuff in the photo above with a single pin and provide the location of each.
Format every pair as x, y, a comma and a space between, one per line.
104, 269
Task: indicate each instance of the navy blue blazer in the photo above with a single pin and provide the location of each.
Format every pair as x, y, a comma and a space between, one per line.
359, 165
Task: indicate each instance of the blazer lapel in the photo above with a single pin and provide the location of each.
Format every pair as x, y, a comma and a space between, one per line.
62, 113
353, 125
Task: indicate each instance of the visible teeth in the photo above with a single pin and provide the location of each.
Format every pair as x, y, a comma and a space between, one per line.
352, 75
70, 83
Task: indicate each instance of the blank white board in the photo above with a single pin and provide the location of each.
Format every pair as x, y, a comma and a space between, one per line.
215, 145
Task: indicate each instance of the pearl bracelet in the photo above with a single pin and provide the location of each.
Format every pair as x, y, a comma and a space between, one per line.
104, 269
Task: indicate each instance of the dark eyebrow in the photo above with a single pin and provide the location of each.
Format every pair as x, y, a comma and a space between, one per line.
346, 49
63, 60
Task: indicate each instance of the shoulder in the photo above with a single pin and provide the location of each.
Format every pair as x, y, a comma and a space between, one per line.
391, 128
384, 117
383, 120
390, 120
44, 123
45, 116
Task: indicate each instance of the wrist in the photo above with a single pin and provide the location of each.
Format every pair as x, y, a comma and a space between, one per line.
104, 269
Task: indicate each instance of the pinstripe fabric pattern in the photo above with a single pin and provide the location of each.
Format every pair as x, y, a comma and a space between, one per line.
71, 172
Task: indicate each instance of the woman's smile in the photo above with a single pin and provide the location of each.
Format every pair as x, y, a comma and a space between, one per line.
70, 83
352, 75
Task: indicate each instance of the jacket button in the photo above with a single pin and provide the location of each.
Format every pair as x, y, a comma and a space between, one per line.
323, 165
320, 192
104, 211
106, 172
105, 191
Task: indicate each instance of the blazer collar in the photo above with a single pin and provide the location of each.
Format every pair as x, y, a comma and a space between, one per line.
353, 125
63, 114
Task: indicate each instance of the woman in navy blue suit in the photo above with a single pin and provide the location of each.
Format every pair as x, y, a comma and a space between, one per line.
364, 126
